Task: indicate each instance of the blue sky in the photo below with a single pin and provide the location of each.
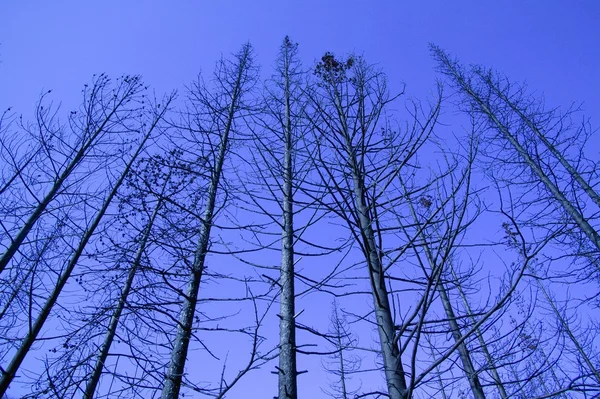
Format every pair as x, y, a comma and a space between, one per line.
553, 45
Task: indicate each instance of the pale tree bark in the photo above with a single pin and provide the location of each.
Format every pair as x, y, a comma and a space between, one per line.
347, 111
465, 356
103, 110
534, 134
11, 369
274, 180
288, 386
235, 79
392, 361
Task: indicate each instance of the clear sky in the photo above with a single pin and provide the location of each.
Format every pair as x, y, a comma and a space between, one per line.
554, 45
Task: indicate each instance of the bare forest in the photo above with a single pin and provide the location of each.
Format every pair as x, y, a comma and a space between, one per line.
300, 223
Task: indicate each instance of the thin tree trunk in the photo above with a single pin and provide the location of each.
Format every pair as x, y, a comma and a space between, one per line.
11, 370
439, 376
558, 195
342, 372
486, 353
288, 388
114, 322
565, 325
174, 375
554, 376
355, 208
589, 190
342, 365
394, 371
463, 351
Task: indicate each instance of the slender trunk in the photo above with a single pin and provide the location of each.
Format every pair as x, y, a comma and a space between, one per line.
438, 374
392, 362
554, 376
517, 380
583, 224
486, 353
41, 207
463, 351
342, 365
441, 383
114, 322
11, 370
589, 190
394, 371
288, 388
174, 375
565, 326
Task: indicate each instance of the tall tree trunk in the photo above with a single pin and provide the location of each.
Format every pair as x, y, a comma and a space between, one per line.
392, 362
589, 190
174, 375
288, 388
393, 368
463, 351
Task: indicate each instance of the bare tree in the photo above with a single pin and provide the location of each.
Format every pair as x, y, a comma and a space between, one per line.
491, 364
287, 328
111, 332
358, 156
212, 119
537, 157
341, 363
281, 163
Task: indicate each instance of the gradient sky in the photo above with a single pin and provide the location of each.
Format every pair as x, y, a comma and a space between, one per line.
553, 45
